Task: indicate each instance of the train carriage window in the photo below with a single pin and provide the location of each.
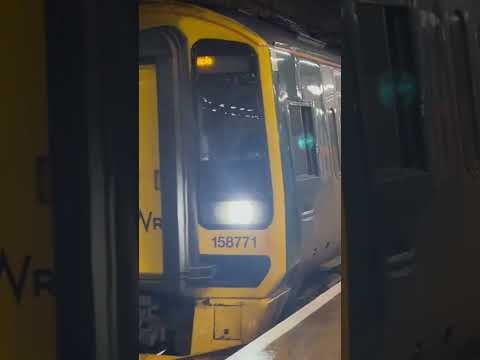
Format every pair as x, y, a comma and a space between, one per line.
283, 68
303, 137
465, 100
326, 162
338, 114
317, 90
330, 100
391, 91
334, 138
338, 95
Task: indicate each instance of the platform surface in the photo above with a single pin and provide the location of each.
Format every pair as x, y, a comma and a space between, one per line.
318, 337
313, 333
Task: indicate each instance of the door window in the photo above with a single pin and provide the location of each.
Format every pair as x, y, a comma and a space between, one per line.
303, 138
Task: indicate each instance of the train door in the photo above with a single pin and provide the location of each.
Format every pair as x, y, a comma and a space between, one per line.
167, 249
316, 163
163, 248
332, 130
302, 134
387, 180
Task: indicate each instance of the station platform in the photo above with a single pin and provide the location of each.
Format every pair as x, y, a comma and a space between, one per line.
312, 333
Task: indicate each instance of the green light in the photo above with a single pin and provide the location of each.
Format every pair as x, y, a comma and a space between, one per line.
397, 86
302, 143
306, 142
310, 141
407, 89
386, 90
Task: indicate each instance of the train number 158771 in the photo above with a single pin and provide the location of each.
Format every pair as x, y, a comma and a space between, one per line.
234, 241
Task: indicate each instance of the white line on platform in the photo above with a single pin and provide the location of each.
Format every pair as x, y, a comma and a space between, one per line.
286, 325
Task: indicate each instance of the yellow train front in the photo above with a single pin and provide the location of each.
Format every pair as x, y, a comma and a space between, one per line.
239, 174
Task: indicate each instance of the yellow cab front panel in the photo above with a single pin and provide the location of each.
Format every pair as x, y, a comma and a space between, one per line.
150, 229
196, 24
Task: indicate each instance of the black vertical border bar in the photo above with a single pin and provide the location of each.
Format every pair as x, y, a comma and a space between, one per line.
362, 278
119, 25
70, 176
93, 128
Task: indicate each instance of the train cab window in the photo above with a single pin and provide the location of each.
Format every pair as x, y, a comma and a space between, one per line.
464, 91
303, 138
233, 164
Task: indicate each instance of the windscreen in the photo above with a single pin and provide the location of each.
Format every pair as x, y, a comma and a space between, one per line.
234, 185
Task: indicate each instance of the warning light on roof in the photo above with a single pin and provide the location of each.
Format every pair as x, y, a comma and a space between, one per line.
205, 61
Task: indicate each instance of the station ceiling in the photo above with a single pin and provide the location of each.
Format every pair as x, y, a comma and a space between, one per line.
320, 18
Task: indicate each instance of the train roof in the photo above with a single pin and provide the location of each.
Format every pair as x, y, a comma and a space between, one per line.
282, 33
276, 30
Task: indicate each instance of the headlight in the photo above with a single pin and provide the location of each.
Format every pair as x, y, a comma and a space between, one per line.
238, 212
